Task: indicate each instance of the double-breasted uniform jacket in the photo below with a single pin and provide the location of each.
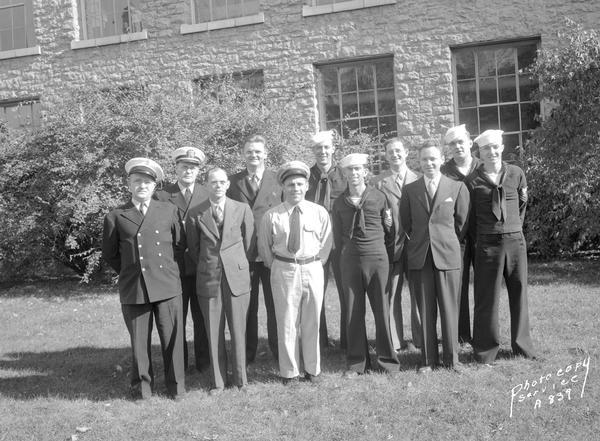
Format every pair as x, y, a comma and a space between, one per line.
438, 228
172, 193
143, 251
386, 182
220, 252
269, 195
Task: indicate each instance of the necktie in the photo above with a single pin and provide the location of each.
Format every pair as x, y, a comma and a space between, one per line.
431, 188
497, 203
143, 208
188, 195
399, 181
294, 238
254, 183
218, 215
322, 191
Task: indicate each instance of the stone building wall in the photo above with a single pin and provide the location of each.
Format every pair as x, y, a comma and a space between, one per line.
419, 34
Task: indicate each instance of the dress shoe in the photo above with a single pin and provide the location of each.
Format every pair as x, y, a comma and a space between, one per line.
215, 391
315, 379
290, 381
425, 370
350, 374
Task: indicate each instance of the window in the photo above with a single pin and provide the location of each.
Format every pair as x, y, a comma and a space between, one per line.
358, 96
213, 10
104, 18
19, 114
492, 92
318, 7
16, 25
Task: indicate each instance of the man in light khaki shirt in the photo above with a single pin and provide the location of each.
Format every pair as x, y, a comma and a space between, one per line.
294, 240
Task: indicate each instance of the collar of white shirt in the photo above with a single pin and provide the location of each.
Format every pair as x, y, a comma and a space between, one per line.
221, 205
182, 189
436, 181
259, 174
137, 204
289, 207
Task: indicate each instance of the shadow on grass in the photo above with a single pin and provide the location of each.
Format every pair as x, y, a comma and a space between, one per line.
66, 289
583, 272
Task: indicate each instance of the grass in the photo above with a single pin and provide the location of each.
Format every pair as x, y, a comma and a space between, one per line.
64, 357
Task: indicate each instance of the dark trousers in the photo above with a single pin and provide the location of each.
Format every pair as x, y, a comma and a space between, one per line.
169, 324
333, 262
216, 310
360, 275
467, 249
497, 257
394, 292
259, 273
435, 288
190, 301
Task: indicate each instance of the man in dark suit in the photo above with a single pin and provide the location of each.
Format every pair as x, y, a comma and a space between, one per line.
325, 184
140, 242
498, 204
391, 182
258, 188
219, 231
434, 212
186, 194
462, 164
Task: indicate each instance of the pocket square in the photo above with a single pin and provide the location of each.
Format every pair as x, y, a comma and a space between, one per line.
448, 200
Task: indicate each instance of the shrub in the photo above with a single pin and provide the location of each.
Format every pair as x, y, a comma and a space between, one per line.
59, 183
564, 152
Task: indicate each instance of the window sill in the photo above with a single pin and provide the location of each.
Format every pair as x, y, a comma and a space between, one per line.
350, 5
113, 39
222, 24
24, 52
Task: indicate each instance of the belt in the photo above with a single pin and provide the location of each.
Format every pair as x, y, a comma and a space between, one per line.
298, 261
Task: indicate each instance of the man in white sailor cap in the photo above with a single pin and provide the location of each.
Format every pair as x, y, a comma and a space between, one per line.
186, 194
458, 142
142, 240
294, 241
498, 203
325, 184
363, 229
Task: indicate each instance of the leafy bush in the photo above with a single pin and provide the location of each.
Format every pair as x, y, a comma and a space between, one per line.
59, 182
564, 152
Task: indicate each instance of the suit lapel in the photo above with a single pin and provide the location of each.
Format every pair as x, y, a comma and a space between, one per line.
207, 219
241, 184
228, 216
389, 182
443, 191
133, 214
266, 185
422, 194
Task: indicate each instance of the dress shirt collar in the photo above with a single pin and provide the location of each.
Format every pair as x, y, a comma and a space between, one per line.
182, 188
259, 173
137, 204
220, 204
436, 180
289, 207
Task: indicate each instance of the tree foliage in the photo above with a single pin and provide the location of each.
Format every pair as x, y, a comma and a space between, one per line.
59, 182
564, 152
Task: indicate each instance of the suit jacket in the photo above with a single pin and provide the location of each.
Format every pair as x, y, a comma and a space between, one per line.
143, 251
387, 184
172, 193
220, 252
269, 195
439, 228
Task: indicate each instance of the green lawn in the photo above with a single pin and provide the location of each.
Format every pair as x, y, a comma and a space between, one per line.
64, 358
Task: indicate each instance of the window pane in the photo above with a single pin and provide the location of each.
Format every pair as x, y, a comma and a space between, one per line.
469, 117
330, 83
349, 105
486, 63
387, 126
510, 147
509, 118
335, 125
5, 19
366, 103
234, 8
526, 55
386, 100
369, 126
507, 89
332, 107
385, 74
487, 91
465, 65
109, 14
488, 118
219, 10
348, 79
350, 126
6, 42
251, 7
466, 93
18, 13
527, 86
528, 114
135, 16
19, 38
365, 77
505, 60
202, 11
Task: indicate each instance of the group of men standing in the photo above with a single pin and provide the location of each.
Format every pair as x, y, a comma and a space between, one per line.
209, 248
